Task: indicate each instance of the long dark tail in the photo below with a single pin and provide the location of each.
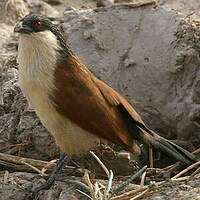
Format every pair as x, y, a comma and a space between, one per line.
167, 146
138, 131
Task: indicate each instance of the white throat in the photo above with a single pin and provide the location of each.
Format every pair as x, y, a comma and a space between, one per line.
37, 56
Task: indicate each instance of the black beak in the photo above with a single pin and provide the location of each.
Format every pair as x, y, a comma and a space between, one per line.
21, 28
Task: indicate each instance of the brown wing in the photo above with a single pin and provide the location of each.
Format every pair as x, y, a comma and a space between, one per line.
129, 115
115, 99
90, 103
97, 108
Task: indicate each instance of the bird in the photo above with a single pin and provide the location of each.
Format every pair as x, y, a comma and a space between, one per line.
76, 107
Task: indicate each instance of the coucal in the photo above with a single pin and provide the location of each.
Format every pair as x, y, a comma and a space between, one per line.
76, 107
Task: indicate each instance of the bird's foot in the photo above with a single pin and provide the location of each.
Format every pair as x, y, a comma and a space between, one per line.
50, 180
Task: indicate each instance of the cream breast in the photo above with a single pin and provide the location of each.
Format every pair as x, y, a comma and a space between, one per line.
37, 57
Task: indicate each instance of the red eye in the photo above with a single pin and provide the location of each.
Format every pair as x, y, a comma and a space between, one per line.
37, 24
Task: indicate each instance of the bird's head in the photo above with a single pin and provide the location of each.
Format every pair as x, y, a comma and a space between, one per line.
34, 23
42, 28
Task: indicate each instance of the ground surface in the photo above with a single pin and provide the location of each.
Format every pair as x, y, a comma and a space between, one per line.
150, 54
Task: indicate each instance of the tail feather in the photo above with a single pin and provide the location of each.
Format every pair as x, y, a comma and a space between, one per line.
138, 131
168, 147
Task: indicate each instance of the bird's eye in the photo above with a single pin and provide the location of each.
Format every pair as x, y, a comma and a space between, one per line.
37, 24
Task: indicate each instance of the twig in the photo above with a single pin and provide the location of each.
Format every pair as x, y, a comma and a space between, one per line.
95, 190
129, 194
171, 167
143, 179
123, 185
150, 157
86, 179
34, 168
100, 192
109, 183
196, 151
194, 173
140, 195
83, 193
45, 168
186, 170
18, 161
181, 178
102, 165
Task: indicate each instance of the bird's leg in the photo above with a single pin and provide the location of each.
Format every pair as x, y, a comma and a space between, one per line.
51, 179
57, 170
